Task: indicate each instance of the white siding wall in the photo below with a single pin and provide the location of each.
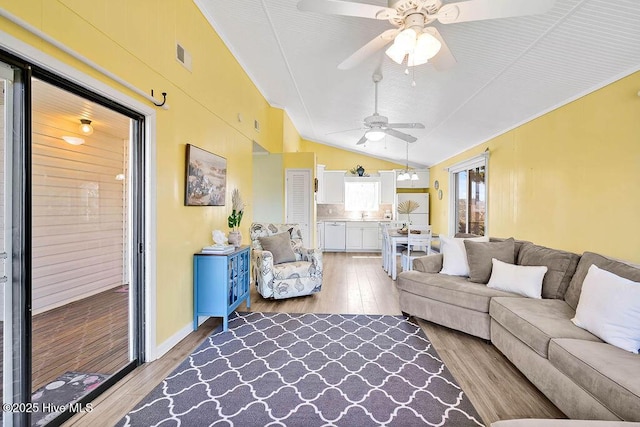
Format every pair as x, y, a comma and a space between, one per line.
79, 213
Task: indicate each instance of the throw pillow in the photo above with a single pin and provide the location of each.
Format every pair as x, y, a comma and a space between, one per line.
519, 279
279, 245
609, 308
454, 261
480, 254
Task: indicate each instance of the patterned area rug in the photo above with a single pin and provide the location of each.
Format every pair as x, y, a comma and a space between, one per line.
282, 369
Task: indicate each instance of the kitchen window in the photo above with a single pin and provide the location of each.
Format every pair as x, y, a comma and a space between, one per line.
361, 195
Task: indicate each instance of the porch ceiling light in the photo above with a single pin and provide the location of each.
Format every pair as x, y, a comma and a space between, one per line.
85, 127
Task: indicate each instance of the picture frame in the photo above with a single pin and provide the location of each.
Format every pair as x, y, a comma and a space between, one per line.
206, 178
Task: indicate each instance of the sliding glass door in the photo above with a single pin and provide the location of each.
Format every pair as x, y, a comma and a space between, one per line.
469, 197
72, 218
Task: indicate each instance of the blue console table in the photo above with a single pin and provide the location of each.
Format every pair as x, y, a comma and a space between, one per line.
220, 284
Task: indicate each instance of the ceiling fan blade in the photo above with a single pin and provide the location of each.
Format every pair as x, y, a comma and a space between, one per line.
362, 140
400, 135
477, 10
406, 125
342, 131
368, 49
346, 8
444, 59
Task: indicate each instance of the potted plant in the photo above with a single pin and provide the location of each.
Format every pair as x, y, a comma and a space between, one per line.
237, 210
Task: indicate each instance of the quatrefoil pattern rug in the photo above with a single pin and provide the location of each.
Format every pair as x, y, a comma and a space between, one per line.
309, 370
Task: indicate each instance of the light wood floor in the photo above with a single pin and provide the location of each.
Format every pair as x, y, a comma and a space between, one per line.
355, 284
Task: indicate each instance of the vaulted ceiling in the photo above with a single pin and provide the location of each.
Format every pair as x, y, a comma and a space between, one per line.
508, 71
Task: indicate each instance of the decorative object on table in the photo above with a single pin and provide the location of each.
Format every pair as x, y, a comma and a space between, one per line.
419, 391
358, 171
218, 249
219, 239
406, 207
206, 178
237, 210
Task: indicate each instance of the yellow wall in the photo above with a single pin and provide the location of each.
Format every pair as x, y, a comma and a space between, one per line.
337, 159
136, 41
569, 179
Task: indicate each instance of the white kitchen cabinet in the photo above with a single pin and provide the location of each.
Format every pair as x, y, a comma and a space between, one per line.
334, 236
333, 187
421, 182
387, 187
363, 236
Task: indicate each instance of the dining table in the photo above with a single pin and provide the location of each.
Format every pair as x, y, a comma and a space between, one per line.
397, 238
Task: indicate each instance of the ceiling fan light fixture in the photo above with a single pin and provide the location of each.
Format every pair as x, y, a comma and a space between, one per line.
374, 135
396, 54
427, 45
406, 40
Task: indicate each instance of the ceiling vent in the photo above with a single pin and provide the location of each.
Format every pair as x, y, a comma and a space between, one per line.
183, 56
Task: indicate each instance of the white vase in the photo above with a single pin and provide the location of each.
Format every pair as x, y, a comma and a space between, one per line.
235, 238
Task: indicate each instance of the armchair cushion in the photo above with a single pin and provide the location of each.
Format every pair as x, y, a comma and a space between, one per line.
280, 247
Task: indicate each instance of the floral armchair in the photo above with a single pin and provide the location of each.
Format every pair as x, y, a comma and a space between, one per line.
288, 279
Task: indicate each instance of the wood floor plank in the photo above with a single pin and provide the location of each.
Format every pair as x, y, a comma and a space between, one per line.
355, 284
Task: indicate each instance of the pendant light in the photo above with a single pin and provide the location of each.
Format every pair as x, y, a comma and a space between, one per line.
85, 127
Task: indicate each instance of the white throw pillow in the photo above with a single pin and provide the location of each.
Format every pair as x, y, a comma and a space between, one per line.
609, 308
454, 255
519, 279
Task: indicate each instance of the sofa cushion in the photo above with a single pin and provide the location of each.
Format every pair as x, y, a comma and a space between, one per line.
292, 270
561, 265
523, 280
608, 373
280, 246
480, 254
619, 268
453, 290
609, 308
535, 322
454, 260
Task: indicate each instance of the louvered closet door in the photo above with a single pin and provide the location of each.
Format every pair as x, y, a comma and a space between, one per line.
298, 197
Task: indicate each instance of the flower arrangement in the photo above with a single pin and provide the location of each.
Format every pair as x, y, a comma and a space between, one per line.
407, 207
237, 210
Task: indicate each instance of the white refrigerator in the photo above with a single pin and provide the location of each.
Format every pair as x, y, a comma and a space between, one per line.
421, 215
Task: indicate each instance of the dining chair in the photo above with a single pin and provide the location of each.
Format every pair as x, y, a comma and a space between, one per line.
418, 244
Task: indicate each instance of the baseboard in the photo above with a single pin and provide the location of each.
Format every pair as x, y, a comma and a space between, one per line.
173, 340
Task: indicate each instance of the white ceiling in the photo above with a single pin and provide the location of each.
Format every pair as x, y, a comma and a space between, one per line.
508, 70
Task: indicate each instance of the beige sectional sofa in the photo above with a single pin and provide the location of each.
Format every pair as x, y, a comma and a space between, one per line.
583, 376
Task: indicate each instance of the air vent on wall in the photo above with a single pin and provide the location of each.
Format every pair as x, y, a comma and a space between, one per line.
183, 56
256, 125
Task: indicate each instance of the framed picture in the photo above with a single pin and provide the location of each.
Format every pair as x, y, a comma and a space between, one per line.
206, 180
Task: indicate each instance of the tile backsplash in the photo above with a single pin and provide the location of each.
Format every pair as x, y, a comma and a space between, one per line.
336, 211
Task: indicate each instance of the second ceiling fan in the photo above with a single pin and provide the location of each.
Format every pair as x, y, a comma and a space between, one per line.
377, 126
412, 39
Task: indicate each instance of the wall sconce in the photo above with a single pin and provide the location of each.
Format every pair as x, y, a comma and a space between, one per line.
85, 127
73, 140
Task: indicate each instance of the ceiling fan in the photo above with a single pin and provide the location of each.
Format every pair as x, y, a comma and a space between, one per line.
412, 38
377, 126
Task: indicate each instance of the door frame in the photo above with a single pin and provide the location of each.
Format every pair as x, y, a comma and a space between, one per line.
31, 55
